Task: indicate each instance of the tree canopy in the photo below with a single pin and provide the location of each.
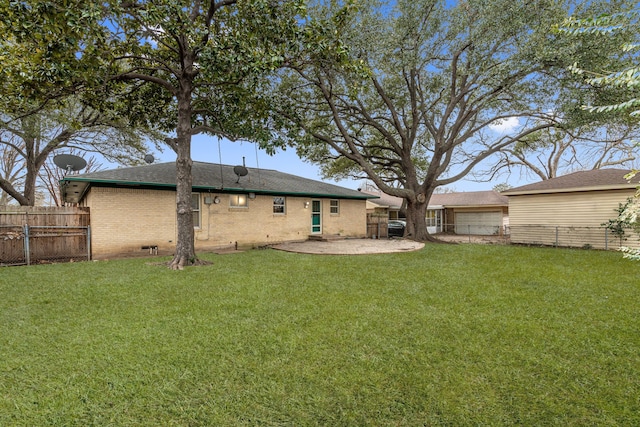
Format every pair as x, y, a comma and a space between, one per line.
183, 67
620, 77
49, 49
621, 82
426, 84
52, 53
28, 141
556, 151
194, 67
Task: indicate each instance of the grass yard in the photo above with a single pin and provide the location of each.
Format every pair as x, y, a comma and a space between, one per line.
451, 335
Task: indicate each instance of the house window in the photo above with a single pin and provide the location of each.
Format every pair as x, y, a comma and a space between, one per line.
278, 205
432, 218
334, 207
238, 201
195, 209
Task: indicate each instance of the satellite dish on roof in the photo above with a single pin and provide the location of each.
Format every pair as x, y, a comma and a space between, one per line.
149, 158
69, 162
240, 171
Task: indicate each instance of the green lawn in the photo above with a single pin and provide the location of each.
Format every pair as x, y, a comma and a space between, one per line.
451, 335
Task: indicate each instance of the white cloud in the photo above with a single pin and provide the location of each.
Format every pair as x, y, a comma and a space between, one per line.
505, 125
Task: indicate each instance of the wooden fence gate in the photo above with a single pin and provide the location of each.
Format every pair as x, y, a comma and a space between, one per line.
32, 235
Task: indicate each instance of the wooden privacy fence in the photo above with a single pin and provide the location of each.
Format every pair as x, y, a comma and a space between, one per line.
377, 226
31, 235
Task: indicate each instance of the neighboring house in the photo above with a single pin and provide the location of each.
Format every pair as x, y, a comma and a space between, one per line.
380, 210
474, 212
389, 207
568, 210
133, 210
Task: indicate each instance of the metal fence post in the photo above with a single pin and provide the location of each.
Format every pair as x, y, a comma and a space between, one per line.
469, 231
88, 243
27, 249
556, 236
606, 240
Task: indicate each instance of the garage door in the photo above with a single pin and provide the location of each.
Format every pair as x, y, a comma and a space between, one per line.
480, 223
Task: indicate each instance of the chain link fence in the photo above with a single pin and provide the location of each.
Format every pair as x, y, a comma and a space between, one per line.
12, 245
573, 237
542, 235
26, 245
471, 233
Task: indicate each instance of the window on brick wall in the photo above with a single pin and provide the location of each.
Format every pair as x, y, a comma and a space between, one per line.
279, 205
195, 209
334, 207
238, 201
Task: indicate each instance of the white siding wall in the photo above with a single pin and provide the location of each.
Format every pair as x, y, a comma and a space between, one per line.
533, 218
580, 209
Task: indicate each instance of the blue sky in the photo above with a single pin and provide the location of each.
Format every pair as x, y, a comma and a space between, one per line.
205, 149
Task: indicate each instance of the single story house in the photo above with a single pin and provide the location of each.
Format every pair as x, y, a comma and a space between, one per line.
380, 211
569, 210
484, 213
133, 209
389, 207
473, 212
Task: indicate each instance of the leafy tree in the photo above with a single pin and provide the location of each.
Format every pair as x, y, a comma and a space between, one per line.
437, 77
583, 139
620, 224
28, 141
631, 215
48, 51
196, 66
10, 171
185, 67
502, 187
628, 76
620, 83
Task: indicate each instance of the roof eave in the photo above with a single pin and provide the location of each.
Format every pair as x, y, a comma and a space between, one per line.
494, 205
571, 190
63, 183
220, 190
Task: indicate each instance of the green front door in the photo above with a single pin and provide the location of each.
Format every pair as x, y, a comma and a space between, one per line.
316, 217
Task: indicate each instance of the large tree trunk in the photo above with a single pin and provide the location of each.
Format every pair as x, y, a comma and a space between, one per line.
416, 213
185, 246
10, 191
32, 163
30, 183
416, 221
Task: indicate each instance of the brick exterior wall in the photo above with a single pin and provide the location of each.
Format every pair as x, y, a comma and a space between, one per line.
126, 220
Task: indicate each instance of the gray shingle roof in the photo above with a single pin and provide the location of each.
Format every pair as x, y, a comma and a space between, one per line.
210, 176
467, 198
385, 200
599, 179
